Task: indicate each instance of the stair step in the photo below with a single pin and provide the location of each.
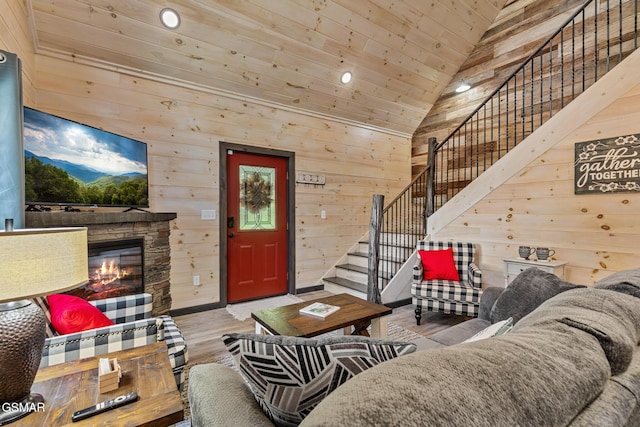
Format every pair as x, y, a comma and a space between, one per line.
389, 243
353, 267
389, 252
382, 258
346, 283
360, 269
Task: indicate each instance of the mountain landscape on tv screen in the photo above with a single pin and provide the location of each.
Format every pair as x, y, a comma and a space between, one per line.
80, 172
57, 181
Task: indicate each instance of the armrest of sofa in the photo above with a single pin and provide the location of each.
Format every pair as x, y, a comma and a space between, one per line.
218, 396
176, 348
95, 342
488, 299
418, 271
475, 276
127, 308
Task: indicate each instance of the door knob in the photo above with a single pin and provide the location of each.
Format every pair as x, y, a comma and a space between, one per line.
230, 235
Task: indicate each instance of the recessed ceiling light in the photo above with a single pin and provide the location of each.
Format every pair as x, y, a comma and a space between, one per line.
463, 87
346, 77
170, 18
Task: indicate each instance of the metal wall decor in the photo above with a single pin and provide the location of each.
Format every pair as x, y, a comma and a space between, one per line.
608, 165
310, 179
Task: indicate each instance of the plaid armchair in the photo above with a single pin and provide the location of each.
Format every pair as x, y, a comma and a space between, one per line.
448, 296
134, 327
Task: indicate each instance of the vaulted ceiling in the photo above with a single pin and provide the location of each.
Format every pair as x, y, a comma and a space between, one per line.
402, 53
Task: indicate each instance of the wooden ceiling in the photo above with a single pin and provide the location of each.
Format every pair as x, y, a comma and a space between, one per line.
402, 53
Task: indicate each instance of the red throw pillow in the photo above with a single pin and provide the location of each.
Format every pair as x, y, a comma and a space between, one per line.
70, 314
439, 265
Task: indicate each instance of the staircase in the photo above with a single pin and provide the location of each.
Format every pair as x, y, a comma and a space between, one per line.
350, 274
587, 46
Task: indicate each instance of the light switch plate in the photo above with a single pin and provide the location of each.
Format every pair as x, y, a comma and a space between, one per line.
208, 214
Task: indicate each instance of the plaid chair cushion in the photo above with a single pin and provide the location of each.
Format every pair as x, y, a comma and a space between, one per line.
446, 290
44, 306
126, 308
449, 307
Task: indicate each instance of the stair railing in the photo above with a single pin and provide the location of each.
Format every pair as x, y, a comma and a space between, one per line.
403, 224
549, 79
591, 42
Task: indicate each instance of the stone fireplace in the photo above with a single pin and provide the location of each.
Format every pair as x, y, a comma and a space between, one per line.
118, 234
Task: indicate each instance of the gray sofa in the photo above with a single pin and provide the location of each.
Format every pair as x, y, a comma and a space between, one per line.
571, 359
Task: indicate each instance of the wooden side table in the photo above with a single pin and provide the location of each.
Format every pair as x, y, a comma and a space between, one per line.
72, 386
515, 266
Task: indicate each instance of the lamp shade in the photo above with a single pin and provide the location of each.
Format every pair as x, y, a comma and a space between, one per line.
41, 261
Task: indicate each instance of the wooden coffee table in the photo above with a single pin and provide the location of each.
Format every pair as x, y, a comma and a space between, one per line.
354, 312
72, 386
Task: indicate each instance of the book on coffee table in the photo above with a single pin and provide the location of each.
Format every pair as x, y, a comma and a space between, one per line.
319, 309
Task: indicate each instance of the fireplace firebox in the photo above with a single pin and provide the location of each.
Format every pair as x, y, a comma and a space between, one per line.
116, 268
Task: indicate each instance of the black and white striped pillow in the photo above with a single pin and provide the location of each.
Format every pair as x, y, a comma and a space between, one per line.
289, 376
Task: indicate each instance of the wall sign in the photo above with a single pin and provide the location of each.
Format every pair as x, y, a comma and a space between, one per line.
608, 165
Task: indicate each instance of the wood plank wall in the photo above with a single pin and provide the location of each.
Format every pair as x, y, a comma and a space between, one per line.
520, 28
596, 233
15, 37
183, 127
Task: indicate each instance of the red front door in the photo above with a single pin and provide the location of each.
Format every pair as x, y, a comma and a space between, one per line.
256, 226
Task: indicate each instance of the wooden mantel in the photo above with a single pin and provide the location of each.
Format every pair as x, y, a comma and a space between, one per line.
85, 219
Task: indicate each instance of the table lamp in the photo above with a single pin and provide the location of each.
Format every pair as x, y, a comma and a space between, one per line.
33, 262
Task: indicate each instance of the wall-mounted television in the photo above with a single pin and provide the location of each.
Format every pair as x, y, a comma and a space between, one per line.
72, 164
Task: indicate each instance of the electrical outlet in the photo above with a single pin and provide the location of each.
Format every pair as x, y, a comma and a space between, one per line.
323, 214
196, 280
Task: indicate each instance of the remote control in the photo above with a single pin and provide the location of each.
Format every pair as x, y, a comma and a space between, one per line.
104, 406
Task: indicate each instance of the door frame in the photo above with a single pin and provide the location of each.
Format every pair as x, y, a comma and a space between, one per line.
291, 213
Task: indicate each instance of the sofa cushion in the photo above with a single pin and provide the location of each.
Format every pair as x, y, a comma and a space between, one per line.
612, 318
618, 403
627, 282
526, 292
439, 265
218, 396
71, 314
289, 375
539, 377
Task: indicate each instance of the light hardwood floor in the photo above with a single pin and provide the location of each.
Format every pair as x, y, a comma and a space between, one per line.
202, 331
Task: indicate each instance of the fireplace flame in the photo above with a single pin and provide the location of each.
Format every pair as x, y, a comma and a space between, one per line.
109, 272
